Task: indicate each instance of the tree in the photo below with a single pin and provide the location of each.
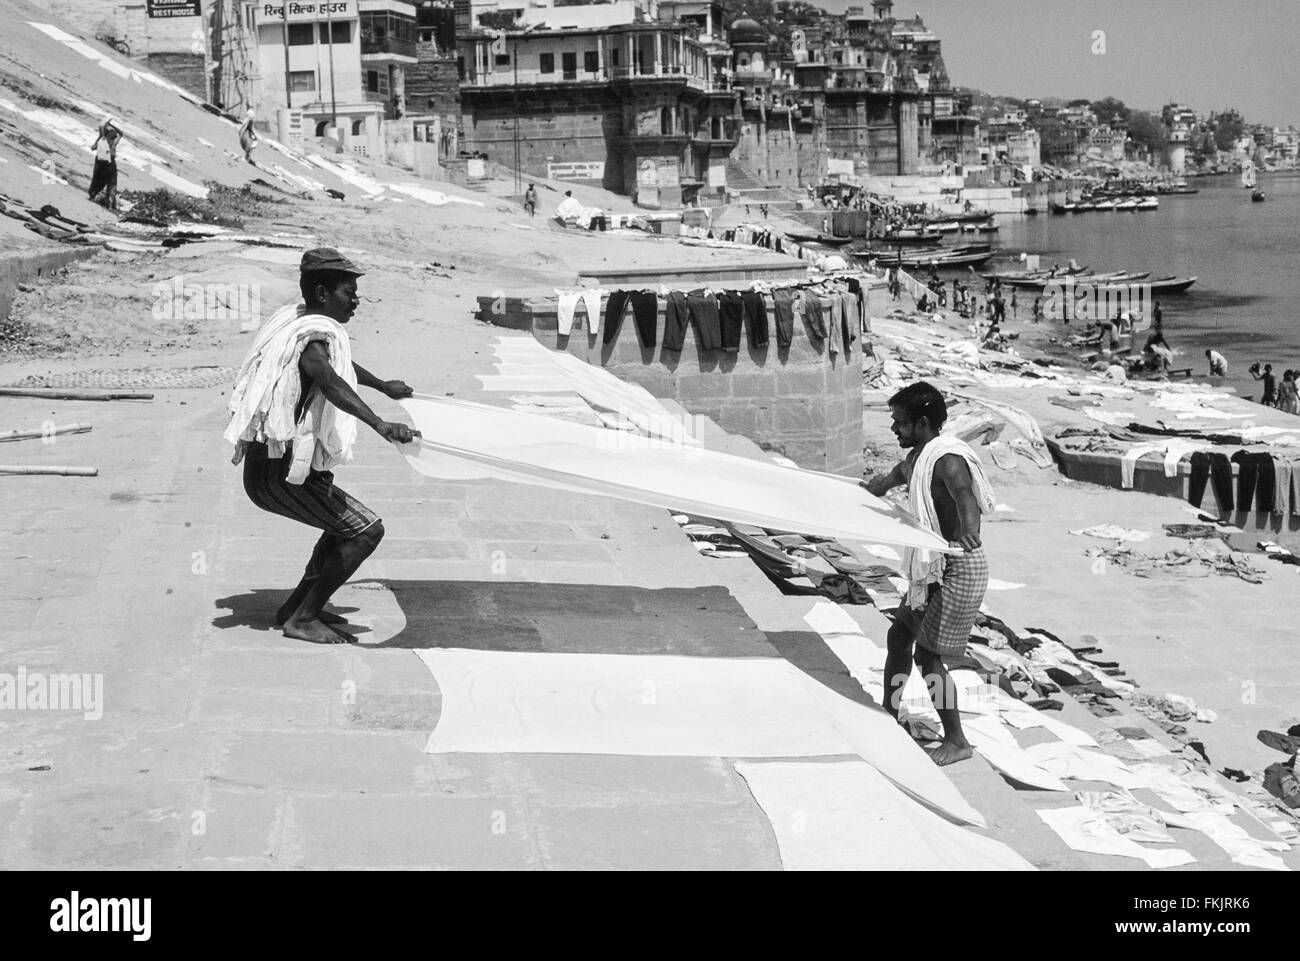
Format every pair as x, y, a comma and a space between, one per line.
1108, 108
1228, 131
1147, 129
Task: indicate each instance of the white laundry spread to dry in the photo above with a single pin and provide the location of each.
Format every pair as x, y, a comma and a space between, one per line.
844, 815
666, 706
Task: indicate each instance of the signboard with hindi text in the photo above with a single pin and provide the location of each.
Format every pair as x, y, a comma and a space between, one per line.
578, 170
306, 10
166, 9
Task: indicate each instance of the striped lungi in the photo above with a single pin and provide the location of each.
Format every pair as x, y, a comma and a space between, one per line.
316, 502
953, 605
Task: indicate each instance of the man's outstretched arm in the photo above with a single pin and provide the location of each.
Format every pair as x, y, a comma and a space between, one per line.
315, 363
882, 484
955, 476
393, 388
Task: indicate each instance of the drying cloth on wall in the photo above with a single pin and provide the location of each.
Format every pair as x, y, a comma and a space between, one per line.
566, 307
1084, 829
664, 706
463, 439
844, 816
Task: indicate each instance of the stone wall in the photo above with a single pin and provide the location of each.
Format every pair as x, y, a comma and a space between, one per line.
573, 126
798, 401
183, 69
433, 86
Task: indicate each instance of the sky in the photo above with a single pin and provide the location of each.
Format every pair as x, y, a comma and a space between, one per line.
1207, 55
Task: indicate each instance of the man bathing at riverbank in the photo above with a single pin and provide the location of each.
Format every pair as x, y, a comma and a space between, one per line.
294, 413
1218, 363
947, 492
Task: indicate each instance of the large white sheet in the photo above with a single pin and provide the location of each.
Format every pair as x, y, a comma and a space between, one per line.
844, 816
463, 439
652, 705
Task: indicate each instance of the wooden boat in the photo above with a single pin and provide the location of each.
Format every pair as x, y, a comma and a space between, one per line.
1148, 203
1029, 277
1162, 285
912, 235
823, 239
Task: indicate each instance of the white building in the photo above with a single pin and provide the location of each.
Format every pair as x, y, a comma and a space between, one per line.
309, 59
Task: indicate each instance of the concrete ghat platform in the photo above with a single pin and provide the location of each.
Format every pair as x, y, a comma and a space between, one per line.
696, 274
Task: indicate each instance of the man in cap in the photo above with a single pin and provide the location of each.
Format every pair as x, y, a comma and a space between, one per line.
294, 413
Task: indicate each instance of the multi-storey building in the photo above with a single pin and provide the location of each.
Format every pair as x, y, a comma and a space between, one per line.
308, 58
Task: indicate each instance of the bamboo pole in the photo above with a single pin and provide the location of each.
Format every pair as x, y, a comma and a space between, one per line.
54, 393
9, 435
59, 471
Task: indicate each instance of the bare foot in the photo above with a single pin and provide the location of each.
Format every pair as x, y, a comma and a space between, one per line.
314, 631
325, 617
949, 753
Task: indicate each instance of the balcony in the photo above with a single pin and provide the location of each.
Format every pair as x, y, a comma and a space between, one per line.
388, 37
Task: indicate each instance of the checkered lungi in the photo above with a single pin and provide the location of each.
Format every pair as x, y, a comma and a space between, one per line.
952, 607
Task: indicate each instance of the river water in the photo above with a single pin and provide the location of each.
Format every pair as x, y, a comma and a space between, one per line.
1246, 302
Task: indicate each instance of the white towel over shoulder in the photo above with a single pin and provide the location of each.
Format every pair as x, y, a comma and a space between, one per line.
268, 387
924, 567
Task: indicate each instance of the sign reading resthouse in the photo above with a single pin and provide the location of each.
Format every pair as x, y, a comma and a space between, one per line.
165, 9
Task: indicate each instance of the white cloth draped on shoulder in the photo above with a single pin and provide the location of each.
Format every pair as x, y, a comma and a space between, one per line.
925, 567
467, 440
268, 388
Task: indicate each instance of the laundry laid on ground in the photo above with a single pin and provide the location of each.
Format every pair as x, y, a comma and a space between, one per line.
526, 702
1112, 532
844, 816
1200, 558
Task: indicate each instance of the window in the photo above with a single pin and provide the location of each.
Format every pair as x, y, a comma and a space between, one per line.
591, 61
546, 62
502, 60
570, 62
377, 81
614, 61
302, 81
301, 35
342, 32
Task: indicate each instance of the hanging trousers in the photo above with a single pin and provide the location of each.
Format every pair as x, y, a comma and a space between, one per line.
645, 314
812, 315
731, 305
1255, 480
783, 302
707, 320
755, 318
677, 317
1211, 467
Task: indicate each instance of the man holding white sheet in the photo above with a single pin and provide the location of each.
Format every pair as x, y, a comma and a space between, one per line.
947, 491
